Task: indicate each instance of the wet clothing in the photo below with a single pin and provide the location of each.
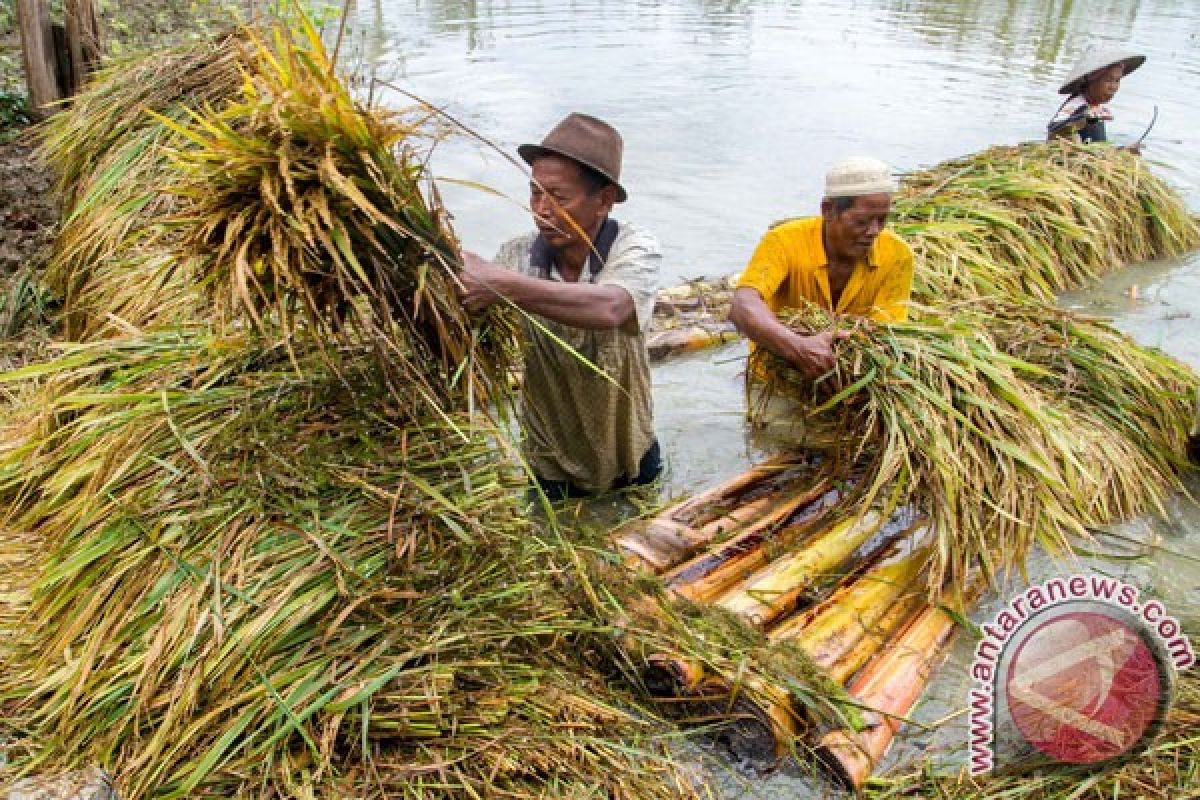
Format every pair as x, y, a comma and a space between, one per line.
789, 268
589, 423
1087, 121
649, 469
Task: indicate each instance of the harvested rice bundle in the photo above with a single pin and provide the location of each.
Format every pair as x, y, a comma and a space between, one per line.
1092, 368
109, 153
306, 214
1012, 223
265, 578
979, 439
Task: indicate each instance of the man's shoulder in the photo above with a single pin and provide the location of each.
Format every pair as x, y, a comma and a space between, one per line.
632, 235
514, 253
794, 226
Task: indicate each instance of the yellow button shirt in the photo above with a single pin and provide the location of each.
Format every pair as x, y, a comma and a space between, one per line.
789, 267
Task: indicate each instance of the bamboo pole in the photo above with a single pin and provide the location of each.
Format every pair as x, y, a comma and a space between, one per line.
37, 54
831, 629
675, 534
889, 685
706, 576
773, 591
673, 676
663, 344
894, 620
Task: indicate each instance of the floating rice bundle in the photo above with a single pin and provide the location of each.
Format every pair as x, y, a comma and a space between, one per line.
284, 554
1011, 223
998, 451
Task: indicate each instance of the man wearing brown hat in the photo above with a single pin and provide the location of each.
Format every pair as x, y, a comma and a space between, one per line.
843, 261
588, 282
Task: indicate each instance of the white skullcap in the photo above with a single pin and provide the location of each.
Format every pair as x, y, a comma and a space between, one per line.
858, 176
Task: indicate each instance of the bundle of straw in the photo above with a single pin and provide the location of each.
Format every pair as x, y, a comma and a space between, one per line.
997, 450
283, 553
1024, 222
110, 155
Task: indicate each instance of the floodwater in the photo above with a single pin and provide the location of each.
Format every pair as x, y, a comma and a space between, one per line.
732, 109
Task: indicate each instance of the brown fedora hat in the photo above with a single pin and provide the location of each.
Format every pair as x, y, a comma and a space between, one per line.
591, 142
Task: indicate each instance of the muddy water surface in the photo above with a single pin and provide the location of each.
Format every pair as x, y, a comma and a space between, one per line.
732, 109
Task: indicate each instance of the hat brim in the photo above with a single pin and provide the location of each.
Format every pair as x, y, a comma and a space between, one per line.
1074, 84
530, 153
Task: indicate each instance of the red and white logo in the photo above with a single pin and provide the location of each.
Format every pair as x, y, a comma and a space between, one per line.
1078, 669
1084, 687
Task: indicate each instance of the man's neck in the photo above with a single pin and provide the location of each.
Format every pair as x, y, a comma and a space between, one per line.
833, 261
572, 259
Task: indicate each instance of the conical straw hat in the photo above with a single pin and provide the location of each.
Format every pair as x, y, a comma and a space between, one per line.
1096, 59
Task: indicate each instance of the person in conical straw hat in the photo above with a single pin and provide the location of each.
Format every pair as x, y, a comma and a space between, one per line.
1092, 84
587, 281
843, 260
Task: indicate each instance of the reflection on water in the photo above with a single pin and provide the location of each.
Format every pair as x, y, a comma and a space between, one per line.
732, 109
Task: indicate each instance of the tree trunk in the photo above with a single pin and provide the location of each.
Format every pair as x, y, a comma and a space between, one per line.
37, 51
84, 40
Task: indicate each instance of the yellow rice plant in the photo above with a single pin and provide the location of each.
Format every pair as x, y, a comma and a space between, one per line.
1003, 430
1028, 221
109, 154
284, 553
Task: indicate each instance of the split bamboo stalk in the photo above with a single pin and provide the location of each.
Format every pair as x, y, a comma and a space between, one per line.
773, 591
831, 629
706, 576
889, 685
678, 532
673, 676
894, 620
666, 343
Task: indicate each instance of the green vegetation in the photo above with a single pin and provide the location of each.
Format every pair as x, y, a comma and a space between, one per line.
1006, 419
277, 545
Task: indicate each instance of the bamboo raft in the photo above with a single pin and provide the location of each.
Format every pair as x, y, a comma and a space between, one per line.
783, 548
692, 316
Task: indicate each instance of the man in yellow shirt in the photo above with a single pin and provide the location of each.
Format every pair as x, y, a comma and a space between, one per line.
843, 261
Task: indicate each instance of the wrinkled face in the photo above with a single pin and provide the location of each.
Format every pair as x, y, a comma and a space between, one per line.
1102, 84
565, 209
850, 234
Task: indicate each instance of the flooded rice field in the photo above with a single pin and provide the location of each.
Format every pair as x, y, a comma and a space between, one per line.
732, 109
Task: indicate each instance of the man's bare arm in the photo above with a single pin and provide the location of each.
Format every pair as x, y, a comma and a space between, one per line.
757, 322
581, 305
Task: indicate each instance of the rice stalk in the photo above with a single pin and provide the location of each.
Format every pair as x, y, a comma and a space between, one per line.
109, 155
1001, 433
1028, 221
